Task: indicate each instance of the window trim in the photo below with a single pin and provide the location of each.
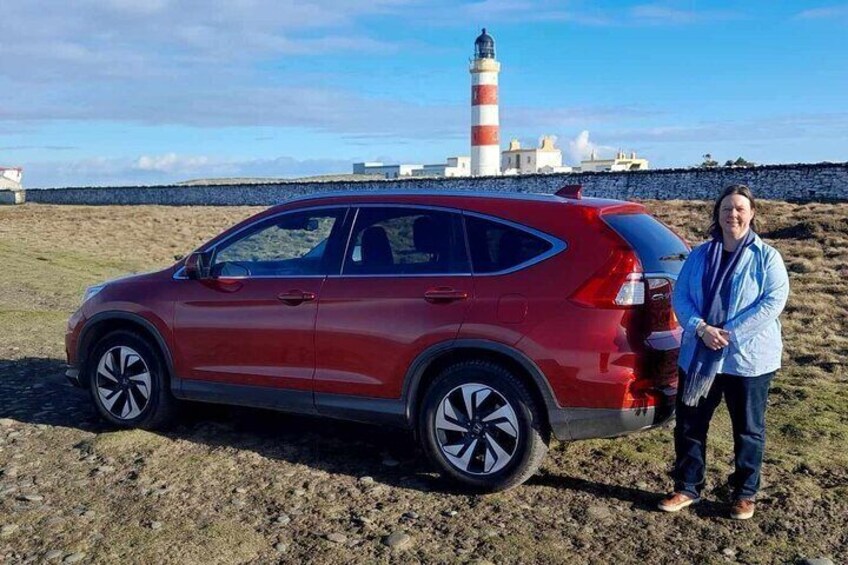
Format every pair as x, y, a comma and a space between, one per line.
213, 249
456, 211
557, 245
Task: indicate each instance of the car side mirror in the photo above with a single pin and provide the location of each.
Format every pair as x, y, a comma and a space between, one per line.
197, 265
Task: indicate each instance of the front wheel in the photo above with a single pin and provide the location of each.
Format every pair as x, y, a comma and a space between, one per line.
128, 382
481, 427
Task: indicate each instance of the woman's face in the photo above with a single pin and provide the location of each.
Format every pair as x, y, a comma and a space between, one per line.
735, 215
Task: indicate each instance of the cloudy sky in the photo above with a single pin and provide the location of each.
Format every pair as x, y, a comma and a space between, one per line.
105, 92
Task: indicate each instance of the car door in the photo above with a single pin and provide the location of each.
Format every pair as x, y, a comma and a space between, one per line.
405, 285
251, 321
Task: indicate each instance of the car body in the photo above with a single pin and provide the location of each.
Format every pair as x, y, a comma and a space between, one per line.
357, 305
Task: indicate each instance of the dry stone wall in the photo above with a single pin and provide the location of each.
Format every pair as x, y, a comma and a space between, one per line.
826, 182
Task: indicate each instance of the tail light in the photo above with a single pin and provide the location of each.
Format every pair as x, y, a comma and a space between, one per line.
617, 284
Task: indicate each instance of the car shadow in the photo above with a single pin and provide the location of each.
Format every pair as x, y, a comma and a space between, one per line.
35, 391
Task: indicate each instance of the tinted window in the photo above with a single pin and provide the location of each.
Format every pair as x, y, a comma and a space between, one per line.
288, 245
498, 247
406, 241
658, 248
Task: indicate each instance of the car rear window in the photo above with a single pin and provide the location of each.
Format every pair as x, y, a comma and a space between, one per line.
497, 247
659, 249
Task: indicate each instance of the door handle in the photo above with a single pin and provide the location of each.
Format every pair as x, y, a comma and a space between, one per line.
441, 295
295, 297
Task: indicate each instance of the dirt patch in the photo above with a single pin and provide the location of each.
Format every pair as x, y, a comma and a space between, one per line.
229, 485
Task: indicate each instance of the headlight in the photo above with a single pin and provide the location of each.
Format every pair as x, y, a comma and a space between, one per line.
91, 291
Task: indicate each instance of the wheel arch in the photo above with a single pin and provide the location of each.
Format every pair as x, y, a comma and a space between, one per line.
106, 322
427, 366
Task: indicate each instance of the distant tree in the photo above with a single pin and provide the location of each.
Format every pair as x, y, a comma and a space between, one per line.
708, 162
739, 162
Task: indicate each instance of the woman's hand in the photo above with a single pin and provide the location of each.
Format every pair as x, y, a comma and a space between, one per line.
715, 338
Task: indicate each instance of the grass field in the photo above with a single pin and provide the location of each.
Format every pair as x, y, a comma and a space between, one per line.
234, 485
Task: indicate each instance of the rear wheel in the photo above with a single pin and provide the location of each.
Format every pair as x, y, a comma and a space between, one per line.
480, 426
128, 381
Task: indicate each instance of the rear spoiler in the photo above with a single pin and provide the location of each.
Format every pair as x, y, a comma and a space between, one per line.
574, 191
603, 206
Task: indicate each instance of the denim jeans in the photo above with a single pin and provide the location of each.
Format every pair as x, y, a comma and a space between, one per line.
746, 401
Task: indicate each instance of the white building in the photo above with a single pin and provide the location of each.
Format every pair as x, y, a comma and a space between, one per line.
390, 171
543, 159
10, 178
454, 167
620, 163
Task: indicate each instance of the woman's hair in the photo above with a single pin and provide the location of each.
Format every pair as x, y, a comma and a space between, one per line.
715, 227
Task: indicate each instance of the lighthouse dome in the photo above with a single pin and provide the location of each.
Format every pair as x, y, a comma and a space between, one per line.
484, 46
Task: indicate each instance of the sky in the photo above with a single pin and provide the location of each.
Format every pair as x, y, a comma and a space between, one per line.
132, 92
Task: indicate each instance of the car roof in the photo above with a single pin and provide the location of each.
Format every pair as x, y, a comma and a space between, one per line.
357, 196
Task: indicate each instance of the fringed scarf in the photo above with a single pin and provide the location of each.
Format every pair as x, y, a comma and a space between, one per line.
704, 365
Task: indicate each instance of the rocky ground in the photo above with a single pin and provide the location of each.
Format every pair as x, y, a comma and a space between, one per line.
230, 485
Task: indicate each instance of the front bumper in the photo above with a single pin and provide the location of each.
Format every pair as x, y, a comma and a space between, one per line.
589, 423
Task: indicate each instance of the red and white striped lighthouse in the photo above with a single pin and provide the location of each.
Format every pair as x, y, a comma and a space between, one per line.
485, 137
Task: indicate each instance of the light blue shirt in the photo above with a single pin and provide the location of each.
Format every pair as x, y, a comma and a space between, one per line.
759, 288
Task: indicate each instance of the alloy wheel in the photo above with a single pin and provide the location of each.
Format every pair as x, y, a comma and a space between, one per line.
123, 382
476, 429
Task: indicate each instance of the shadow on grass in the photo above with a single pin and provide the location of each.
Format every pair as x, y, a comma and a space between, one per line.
640, 499
35, 391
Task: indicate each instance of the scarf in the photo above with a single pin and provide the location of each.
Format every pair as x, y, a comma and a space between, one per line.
704, 365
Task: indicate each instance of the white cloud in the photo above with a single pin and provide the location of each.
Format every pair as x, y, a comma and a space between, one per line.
828, 12
169, 168
666, 14
171, 163
581, 148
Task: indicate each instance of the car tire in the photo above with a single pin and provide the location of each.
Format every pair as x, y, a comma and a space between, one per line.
481, 427
129, 383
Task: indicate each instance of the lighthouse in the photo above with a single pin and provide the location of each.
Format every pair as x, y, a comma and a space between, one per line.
485, 138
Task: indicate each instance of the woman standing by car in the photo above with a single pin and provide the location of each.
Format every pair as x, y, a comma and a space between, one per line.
728, 297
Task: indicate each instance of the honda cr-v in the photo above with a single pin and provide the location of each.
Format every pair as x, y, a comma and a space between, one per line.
484, 322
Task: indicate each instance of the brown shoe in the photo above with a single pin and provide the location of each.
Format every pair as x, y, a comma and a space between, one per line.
742, 509
676, 502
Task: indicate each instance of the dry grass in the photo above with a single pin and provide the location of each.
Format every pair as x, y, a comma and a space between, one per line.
219, 481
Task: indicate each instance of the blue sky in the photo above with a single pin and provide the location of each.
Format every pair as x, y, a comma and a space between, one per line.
108, 92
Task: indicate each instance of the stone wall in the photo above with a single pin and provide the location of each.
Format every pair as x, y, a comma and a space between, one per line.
818, 182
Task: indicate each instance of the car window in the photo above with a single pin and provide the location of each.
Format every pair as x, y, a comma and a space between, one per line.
389, 240
659, 248
498, 247
288, 245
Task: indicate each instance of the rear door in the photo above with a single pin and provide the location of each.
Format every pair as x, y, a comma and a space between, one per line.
405, 284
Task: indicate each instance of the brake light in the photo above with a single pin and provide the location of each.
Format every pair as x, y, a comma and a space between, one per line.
617, 284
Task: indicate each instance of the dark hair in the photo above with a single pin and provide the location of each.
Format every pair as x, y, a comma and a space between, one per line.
715, 228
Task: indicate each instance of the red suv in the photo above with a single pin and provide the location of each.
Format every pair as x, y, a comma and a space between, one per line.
484, 322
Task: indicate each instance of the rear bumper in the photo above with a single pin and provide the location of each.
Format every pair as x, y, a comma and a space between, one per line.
588, 423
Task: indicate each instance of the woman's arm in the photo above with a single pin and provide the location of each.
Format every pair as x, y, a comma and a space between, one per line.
767, 308
688, 313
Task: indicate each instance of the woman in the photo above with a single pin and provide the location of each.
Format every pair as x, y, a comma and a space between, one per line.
728, 297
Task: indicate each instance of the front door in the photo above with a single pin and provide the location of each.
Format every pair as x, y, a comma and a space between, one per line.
252, 321
405, 285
